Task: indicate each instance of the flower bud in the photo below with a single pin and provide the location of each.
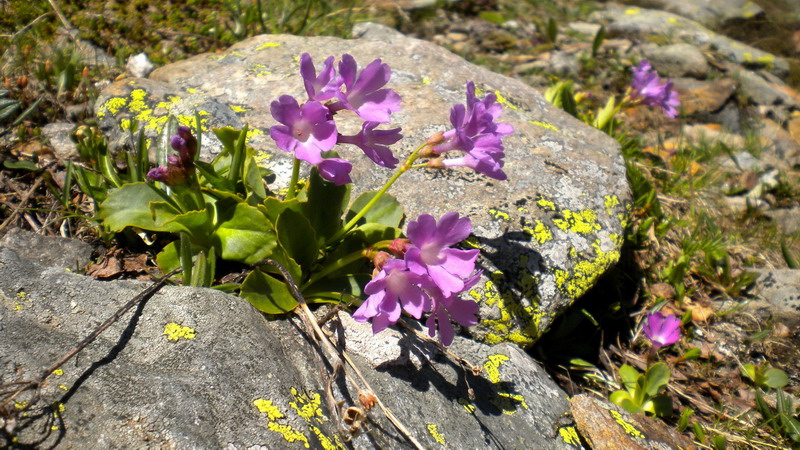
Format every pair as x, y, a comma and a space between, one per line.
22, 81
436, 139
398, 247
437, 163
379, 259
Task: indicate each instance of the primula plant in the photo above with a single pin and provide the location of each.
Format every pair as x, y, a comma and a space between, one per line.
330, 249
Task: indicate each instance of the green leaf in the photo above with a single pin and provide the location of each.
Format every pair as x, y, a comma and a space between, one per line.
492, 16
387, 211
298, 238
699, 432
168, 259
253, 183
683, 421
129, 206
168, 218
211, 177
628, 375
656, 377
267, 294
749, 371
21, 164
228, 137
371, 233
275, 207
243, 233
691, 354
661, 405
719, 442
775, 378
598, 40
325, 205
624, 400
281, 256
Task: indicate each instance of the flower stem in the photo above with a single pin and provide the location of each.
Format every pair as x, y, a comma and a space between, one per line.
343, 261
293, 182
401, 170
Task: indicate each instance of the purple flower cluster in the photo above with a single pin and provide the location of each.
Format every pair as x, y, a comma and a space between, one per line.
178, 166
661, 330
652, 91
427, 279
476, 133
309, 129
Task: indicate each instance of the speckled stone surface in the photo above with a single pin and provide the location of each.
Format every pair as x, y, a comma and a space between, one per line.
196, 368
643, 23
545, 235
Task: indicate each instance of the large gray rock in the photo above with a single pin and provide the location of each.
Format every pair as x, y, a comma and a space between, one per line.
677, 60
711, 13
196, 368
643, 23
780, 288
546, 234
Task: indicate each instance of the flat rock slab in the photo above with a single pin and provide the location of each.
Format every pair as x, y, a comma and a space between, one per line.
545, 235
607, 426
711, 13
643, 23
196, 368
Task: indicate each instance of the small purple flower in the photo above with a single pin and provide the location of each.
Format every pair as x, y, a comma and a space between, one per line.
486, 157
476, 132
430, 252
445, 309
185, 144
308, 131
363, 94
648, 87
322, 87
374, 143
394, 285
662, 330
173, 174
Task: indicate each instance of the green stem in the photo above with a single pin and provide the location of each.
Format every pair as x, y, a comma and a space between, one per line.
343, 261
401, 170
293, 182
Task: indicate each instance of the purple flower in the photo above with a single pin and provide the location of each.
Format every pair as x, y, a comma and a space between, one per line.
363, 93
374, 143
394, 285
650, 90
428, 279
430, 252
662, 330
185, 144
476, 133
445, 309
322, 87
308, 131
178, 167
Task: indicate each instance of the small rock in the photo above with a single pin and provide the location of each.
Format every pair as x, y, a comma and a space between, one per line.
58, 135
742, 204
585, 28
678, 60
703, 96
780, 149
710, 133
139, 66
762, 92
605, 425
457, 37
49, 252
781, 289
788, 220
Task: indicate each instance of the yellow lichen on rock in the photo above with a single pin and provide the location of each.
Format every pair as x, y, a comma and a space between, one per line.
175, 332
582, 277
581, 222
437, 436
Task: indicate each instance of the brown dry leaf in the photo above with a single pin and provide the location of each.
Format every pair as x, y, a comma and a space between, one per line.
136, 263
663, 290
701, 313
107, 268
